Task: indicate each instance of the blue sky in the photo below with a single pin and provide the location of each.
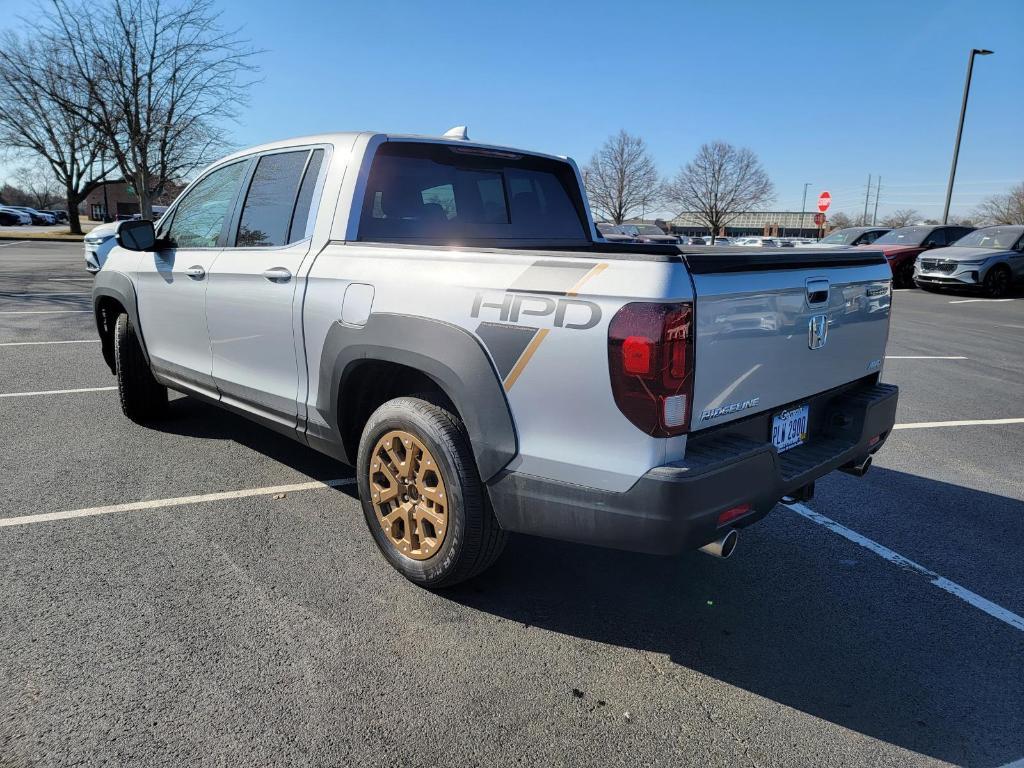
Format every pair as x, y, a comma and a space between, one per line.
824, 92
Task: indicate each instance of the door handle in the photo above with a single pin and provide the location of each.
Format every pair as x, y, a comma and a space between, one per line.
277, 274
196, 271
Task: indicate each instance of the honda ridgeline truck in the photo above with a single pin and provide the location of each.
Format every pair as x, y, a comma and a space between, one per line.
443, 316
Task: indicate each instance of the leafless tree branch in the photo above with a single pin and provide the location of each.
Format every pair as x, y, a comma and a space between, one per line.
621, 179
719, 184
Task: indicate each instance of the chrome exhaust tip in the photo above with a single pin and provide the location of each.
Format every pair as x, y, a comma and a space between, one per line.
723, 546
857, 470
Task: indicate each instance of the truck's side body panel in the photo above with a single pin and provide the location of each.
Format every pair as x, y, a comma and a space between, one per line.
544, 323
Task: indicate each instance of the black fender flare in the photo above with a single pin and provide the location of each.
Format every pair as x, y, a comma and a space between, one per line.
451, 356
117, 286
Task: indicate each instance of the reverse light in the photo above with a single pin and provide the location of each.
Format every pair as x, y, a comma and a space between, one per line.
650, 363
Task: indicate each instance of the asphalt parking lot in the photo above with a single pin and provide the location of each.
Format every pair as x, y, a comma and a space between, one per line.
209, 602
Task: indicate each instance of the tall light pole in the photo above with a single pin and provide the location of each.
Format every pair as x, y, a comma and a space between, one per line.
803, 207
960, 128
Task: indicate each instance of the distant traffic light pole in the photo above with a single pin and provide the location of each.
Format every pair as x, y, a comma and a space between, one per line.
960, 128
803, 207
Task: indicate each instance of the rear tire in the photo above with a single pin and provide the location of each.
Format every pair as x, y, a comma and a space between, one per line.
143, 399
997, 282
422, 497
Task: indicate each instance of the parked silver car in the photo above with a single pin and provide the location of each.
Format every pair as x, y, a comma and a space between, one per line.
991, 258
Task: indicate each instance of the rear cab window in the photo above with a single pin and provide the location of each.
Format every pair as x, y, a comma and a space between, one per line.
440, 194
277, 203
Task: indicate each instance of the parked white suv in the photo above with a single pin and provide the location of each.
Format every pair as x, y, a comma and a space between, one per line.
441, 315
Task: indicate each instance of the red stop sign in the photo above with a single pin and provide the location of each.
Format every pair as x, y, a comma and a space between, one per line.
824, 201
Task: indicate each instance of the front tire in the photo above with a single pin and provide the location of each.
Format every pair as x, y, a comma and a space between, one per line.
143, 399
904, 276
997, 282
422, 497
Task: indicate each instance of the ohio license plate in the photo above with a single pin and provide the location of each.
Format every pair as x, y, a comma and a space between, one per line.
789, 428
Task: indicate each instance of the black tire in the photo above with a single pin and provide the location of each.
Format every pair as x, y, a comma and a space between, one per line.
997, 282
904, 276
143, 399
473, 538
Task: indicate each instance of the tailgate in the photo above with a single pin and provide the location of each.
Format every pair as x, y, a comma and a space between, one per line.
773, 329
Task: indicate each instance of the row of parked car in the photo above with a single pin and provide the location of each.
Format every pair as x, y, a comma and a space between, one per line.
17, 215
928, 256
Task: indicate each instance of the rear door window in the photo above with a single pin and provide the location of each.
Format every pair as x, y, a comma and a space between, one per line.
436, 193
270, 203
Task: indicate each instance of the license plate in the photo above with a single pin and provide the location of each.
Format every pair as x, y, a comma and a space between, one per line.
789, 428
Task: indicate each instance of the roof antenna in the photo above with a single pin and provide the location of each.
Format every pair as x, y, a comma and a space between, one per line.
458, 132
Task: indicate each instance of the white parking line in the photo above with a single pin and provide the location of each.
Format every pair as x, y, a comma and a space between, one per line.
7, 245
966, 423
51, 293
925, 357
33, 343
979, 602
135, 506
48, 312
968, 301
58, 392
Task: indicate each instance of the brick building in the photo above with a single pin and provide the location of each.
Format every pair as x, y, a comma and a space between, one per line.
120, 200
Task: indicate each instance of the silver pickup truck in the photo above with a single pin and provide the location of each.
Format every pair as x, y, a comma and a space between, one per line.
443, 316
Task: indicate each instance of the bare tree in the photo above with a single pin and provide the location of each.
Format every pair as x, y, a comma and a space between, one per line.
159, 76
1003, 209
621, 179
38, 121
719, 184
901, 217
840, 221
39, 185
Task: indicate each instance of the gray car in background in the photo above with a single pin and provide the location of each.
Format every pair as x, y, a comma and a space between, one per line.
991, 258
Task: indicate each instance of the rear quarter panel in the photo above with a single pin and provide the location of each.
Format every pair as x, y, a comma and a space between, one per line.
543, 320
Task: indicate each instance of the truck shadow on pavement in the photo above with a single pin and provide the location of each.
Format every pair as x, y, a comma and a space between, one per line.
798, 616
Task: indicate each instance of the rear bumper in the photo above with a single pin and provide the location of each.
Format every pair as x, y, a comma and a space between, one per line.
676, 507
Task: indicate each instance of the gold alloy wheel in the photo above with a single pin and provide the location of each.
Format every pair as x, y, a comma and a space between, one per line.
408, 494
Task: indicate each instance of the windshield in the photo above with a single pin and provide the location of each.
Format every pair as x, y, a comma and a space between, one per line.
1002, 238
842, 237
649, 229
904, 236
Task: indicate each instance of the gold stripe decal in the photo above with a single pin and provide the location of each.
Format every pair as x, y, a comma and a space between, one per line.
597, 270
524, 359
531, 348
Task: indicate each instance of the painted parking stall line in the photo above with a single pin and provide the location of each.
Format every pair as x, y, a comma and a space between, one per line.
971, 301
8, 245
136, 506
971, 598
48, 312
925, 357
57, 392
964, 423
37, 343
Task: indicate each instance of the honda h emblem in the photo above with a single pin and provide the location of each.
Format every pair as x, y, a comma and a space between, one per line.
817, 331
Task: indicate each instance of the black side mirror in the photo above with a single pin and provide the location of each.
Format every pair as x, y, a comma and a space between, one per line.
137, 235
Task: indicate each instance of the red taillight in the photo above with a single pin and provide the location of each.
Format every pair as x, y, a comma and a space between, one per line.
636, 356
731, 514
650, 360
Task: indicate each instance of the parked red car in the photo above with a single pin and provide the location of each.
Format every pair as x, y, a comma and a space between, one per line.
902, 247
